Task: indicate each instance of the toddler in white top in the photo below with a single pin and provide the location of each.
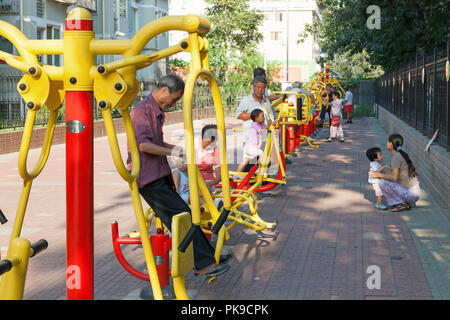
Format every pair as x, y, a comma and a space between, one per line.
375, 157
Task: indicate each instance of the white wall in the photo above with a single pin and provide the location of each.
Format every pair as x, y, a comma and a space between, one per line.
183, 7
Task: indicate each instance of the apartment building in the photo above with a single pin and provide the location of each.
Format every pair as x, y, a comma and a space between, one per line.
284, 21
113, 19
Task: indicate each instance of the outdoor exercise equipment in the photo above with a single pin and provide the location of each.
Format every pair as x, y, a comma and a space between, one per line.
206, 217
246, 184
107, 76
297, 122
13, 269
318, 85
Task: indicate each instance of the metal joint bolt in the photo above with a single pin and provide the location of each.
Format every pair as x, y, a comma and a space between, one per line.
102, 104
101, 69
118, 86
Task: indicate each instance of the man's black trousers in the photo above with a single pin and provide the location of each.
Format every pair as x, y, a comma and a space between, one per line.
163, 198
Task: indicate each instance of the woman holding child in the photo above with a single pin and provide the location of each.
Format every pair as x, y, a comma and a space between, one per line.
400, 187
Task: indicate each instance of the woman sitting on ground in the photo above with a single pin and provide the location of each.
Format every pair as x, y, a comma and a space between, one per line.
400, 186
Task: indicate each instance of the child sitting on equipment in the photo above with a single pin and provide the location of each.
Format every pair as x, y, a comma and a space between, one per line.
254, 138
180, 178
376, 156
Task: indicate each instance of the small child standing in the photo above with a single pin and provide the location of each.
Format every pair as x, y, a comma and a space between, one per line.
180, 178
375, 157
336, 117
254, 138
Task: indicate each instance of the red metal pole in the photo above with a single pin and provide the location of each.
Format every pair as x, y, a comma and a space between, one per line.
291, 135
79, 171
160, 246
297, 136
79, 197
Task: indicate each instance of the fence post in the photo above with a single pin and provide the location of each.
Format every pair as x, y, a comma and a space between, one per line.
424, 99
448, 97
433, 106
415, 90
409, 92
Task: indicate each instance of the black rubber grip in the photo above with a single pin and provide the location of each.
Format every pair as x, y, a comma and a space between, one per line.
38, 246
5, 266
3, 219
188, 238
219, 223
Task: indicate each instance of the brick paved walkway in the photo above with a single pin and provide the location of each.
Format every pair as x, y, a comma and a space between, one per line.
328, 233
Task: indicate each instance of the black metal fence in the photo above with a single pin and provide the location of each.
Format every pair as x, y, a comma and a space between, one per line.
10, 101
418, 93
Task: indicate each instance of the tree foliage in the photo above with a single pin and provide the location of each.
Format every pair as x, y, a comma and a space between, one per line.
407, 26
234, 34
240, 78
354, 66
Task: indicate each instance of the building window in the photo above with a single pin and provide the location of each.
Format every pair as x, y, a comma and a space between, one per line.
57, 35
135, 20
160, 14
280, 16
124, 9
40, 10
275, 36
40, 35
49, 36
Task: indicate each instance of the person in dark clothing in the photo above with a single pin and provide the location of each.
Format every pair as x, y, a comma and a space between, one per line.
326, 108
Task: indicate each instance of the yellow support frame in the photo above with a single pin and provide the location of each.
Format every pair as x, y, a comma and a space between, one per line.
43, 85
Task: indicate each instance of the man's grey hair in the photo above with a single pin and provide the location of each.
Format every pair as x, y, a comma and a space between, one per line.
297, 84
171, 81
259, 79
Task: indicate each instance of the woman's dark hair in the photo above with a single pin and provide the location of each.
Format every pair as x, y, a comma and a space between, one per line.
171, 81
397, 143
259, 72
336, 93
255, 113
372, 153
209, 132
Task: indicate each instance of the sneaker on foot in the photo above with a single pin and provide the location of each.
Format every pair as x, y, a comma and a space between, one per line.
212, 270
380, 206
341, 140
329, 139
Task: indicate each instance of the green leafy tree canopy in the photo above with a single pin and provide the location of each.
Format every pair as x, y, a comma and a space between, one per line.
233, 35
406, 27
